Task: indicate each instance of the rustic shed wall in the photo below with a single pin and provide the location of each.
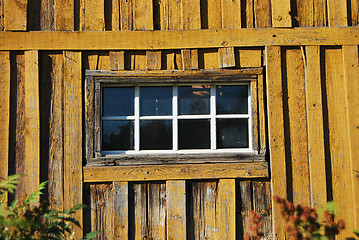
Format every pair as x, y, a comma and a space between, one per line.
310, 132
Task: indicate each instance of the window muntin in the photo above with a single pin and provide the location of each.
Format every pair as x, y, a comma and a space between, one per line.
183, 118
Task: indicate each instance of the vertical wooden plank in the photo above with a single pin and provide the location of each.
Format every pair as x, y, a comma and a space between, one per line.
281, 13
208, 58
47, 15
351, 74
262, 115
262, 13
245, 205
5, 113
226, 57
94, 15
102, 215
231, 14
320, 13
73, 132
189, 58
143, 15
32, 122
170, 13
191, 14
248, 57
56, 147
305, 9
64, 15
227, 208
141, 230
249, 14
116, 25
15, 15
120, 211
126, 14
339, 138
314, 106
354, 12
153, 60
176, 209
255, 119
276, 133
117, 60
297, 125
337, 13
204, 210
157, 211
262, 205
2, 26
214, 14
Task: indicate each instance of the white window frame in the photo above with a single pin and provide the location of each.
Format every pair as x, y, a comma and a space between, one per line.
175, 117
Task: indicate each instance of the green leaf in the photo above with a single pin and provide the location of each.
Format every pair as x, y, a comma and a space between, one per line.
36, 195
13, 204
350, 238
356, 232
90, 235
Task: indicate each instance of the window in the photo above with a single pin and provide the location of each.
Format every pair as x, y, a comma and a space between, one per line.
158, 117
176, 118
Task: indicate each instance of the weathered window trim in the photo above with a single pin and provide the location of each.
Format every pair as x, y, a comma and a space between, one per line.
95, 78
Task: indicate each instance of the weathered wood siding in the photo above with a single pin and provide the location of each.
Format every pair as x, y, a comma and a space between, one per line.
308, 95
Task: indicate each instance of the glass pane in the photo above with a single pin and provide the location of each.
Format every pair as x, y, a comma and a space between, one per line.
194, 134
232, 99
193, 100
118, 101
232, 133
155, 101
117, 135
155, 134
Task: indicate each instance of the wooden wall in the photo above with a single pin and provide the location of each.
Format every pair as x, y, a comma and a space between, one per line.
310, 104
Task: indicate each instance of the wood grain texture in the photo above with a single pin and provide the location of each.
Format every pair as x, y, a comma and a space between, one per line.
126, 14
15, 15
226, 57
305, 9
94, 15
32, 122
120, 211
102, 211
337, 13
339, 137
262, 115
117, 60
214, 14
248, 57
191, 14
153, 60
231, 14
297, 125
47, 15
170, 12
176, 209
262, 205
320, 13
281, 13
5, 113
175, 172
115, 15
73, 132
162, 40
56, 131
142, 15
262, 13
351, 73
189, 59
314, 106
227, 208
204, 218
276, 133
246, 204
354, 12
249, 14
64, 15
254, 110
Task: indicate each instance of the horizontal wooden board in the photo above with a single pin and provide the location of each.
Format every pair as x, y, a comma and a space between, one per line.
185, 39
175, 172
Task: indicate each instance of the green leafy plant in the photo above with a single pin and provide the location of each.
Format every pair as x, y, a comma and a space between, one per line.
33, 219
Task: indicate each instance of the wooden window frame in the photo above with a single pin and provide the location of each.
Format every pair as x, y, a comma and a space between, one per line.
241, 164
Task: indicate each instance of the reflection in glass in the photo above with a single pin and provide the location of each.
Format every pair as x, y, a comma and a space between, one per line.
232, 99
118, 101
193, 99
117, 135
155, 101
194, 134
232, 133
155, 134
